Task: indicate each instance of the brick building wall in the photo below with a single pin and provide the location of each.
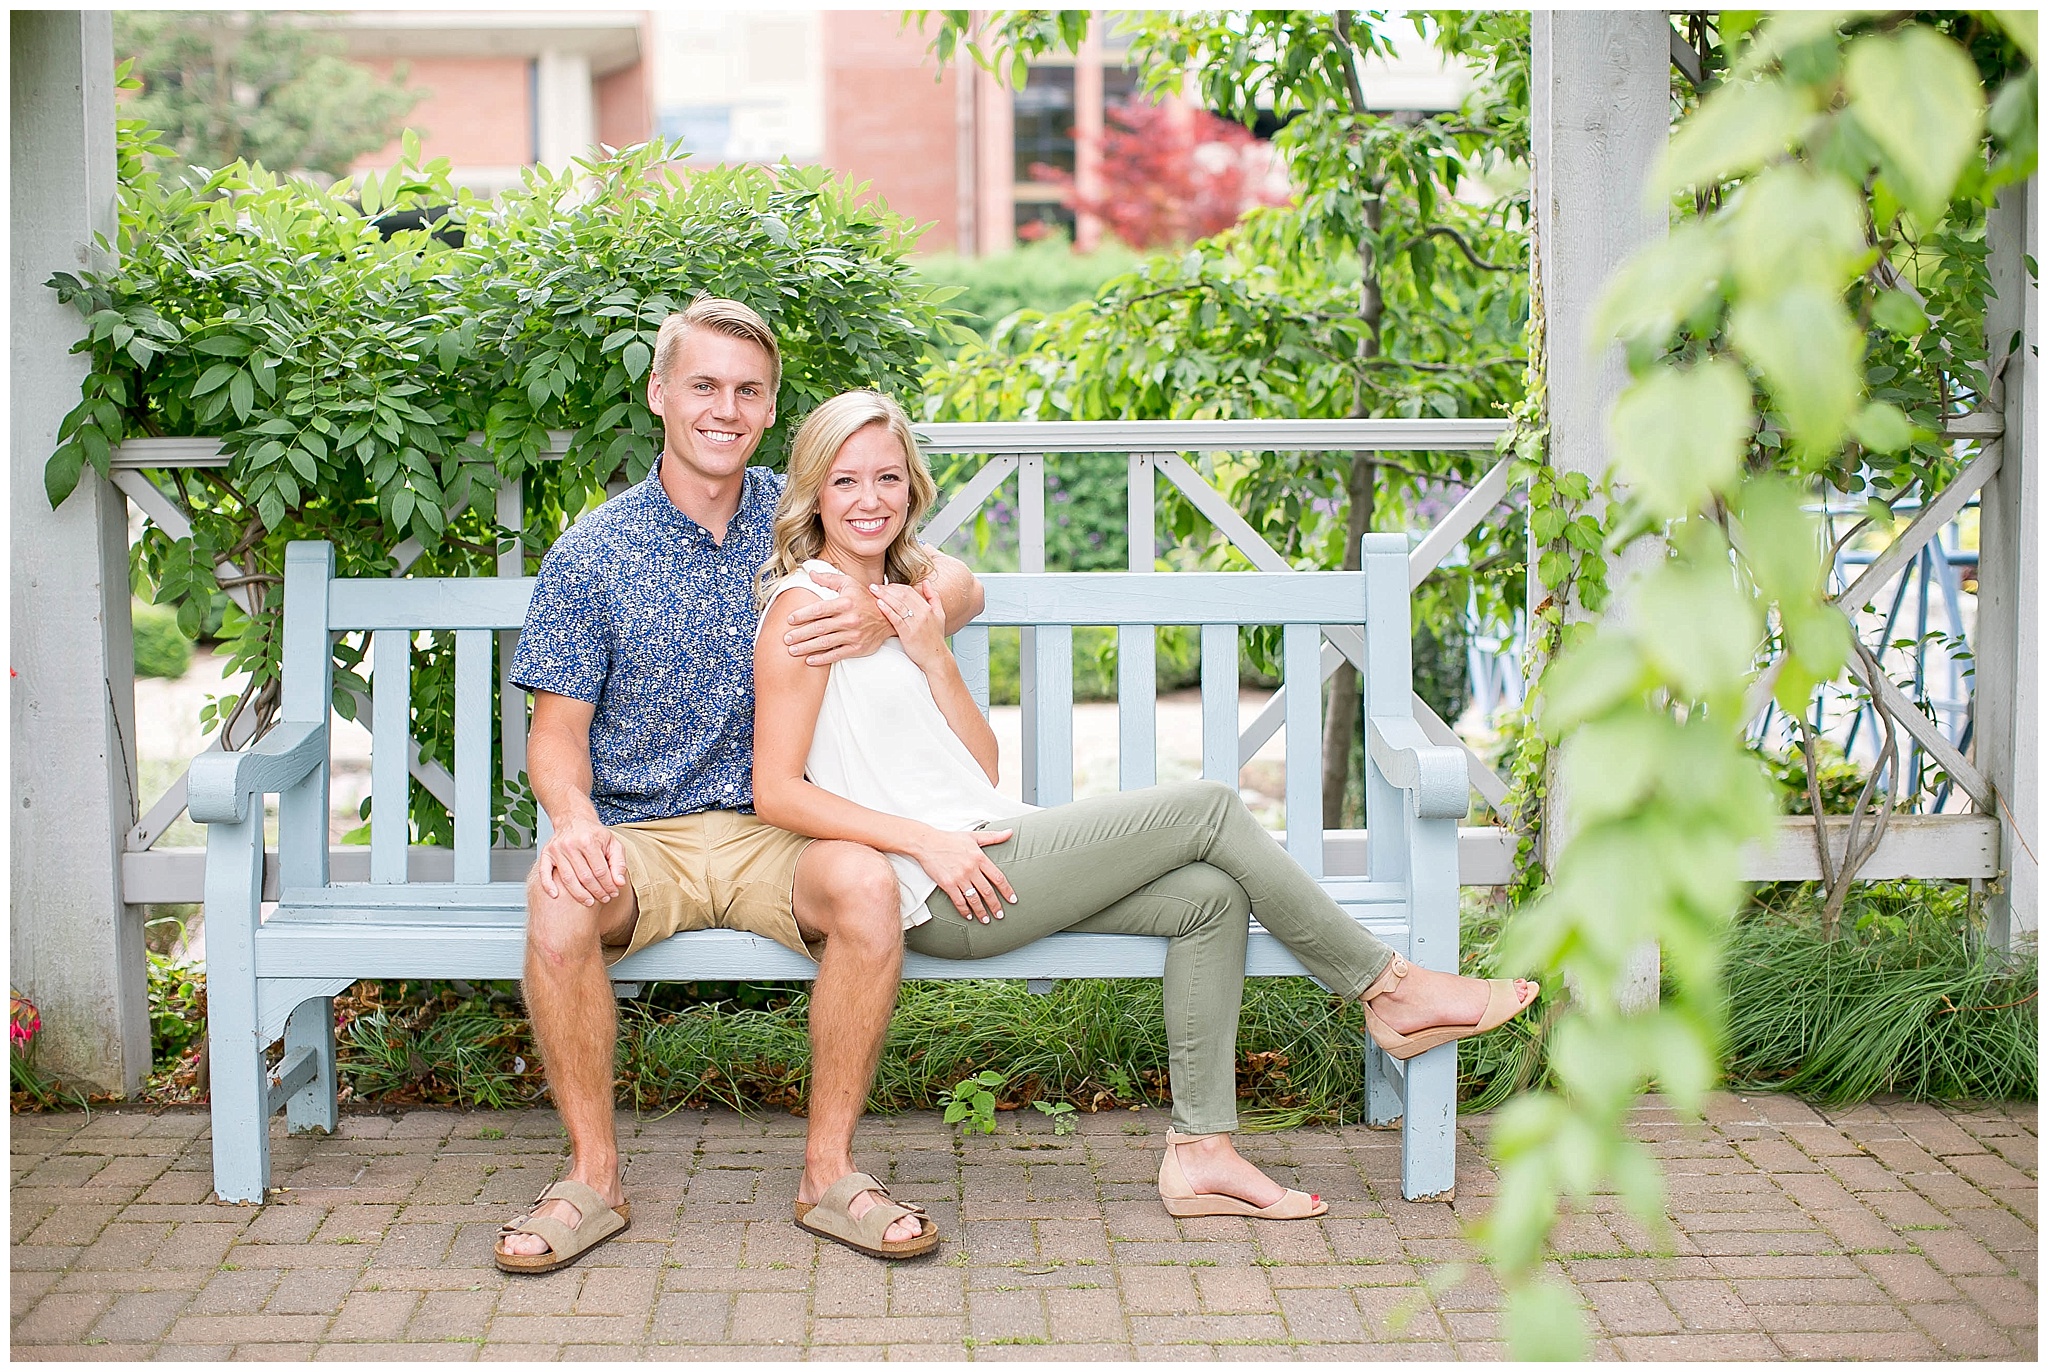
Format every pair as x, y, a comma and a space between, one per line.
889, 123
478, 110
625, 102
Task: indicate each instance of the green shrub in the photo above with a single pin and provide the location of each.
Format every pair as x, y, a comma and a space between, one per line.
177, 1009
1841, 780
1047, 275
160, 649
343, 372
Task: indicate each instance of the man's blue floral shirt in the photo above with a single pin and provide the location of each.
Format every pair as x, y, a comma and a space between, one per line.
640, 613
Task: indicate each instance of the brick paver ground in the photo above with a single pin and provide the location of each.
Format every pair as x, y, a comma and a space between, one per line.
1887, 1231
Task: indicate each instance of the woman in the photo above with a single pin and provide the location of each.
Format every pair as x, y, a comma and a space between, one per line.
890, 750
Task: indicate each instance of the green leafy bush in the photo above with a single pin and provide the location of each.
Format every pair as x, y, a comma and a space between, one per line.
177, 1009
1045, 276
1840, 780
161, 649
344, 372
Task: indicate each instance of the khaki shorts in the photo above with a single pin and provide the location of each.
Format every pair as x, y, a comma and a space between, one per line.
717, 869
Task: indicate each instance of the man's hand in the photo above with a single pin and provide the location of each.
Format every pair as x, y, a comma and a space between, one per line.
832, 630
585, 859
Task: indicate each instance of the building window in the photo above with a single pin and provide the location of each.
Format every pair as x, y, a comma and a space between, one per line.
706, 130
1045, 116
1040, 218
1045, 121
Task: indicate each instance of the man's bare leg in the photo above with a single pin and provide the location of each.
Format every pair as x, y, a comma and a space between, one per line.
846, 894
575, 1022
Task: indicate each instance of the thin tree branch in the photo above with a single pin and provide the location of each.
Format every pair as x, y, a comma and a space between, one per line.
1413, 365
1352, 84
1446, 231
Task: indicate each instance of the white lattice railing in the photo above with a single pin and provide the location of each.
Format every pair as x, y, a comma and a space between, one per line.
1948, 846
1014, 451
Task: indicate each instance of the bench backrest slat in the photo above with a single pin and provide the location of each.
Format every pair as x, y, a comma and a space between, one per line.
1219, 703
1388, 689
390, 752
970, 650
1301, 665
1047, 696
306, 698
1013, 598
473, 755
1137, 707
474, 602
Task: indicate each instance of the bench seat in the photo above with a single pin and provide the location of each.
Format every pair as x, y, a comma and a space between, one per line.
479, 932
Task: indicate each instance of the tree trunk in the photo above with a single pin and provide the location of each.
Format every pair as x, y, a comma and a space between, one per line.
1340, 724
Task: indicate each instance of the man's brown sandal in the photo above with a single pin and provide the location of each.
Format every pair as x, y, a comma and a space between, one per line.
1502, 1005
595, 1223
830, 1219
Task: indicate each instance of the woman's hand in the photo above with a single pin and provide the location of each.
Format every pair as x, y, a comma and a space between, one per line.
919, 620
953, 859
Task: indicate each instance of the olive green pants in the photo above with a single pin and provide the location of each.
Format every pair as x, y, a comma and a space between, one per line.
1186, 862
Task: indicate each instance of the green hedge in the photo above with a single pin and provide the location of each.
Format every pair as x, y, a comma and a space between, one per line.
161, 648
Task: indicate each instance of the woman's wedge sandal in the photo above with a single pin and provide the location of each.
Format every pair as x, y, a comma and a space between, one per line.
830, 1219
1182, 1201
1502, 1005
595, 1223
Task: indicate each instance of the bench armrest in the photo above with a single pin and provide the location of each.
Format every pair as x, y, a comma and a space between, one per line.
1433, 775
222, 783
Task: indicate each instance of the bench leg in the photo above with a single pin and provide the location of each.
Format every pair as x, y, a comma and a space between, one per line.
234, 1057
313, 1106
1382, 1093
1429, 1125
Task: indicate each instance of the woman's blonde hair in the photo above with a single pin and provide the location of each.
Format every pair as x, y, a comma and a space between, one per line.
800, 534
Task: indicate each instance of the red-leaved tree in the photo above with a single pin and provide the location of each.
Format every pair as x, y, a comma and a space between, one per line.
1173, 173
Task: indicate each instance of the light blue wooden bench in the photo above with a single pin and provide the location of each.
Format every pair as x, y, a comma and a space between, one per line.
276, 976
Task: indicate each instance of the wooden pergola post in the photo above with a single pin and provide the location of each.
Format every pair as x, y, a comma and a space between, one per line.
2008, 664
75, 949
1599, 118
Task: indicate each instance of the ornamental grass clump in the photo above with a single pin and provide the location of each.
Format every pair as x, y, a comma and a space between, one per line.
1904, 1004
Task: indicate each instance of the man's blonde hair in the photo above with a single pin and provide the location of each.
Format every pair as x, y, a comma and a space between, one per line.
800, 534
728, 317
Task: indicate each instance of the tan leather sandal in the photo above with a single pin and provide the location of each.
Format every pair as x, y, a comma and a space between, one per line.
1502, 1005
595, 1222
830, 1219
1182, 1200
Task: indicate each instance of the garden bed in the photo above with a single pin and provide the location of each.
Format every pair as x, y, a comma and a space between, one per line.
1903, 1003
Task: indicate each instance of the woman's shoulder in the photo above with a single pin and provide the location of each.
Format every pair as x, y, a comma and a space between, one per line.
777, 605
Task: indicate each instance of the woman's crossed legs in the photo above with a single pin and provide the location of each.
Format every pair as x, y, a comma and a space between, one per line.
1188, 862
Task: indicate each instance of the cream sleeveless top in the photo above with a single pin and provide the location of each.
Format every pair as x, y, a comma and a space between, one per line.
882, 741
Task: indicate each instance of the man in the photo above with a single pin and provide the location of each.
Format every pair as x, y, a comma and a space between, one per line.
638, 648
